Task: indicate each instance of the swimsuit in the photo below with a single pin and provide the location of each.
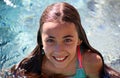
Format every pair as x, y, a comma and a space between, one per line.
80, 73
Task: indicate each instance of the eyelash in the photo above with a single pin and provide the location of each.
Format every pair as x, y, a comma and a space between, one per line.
65, 41
68, 40
50, 40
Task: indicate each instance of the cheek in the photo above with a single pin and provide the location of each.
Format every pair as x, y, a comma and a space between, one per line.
47, 50
71, 48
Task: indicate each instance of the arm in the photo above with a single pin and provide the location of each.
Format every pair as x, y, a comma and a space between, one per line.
92, 64
112, 73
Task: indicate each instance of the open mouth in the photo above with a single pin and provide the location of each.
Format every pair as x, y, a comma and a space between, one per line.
60, 59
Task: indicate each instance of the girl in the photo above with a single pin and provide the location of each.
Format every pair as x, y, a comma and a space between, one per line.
63, 50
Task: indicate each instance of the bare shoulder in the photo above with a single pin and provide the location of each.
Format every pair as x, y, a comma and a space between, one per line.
92, 63
92, 58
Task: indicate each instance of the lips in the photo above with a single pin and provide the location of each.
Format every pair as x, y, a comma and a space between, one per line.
60, 59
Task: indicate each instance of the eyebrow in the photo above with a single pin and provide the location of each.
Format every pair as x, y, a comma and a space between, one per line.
51, 37
63, 37
67, 36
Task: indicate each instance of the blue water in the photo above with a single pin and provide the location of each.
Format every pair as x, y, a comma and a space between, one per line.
19, 22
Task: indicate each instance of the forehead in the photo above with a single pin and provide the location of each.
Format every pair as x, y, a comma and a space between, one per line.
55, 26
58, 30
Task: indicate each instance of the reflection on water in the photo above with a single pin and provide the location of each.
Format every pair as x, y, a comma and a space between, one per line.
6, 74
19, 21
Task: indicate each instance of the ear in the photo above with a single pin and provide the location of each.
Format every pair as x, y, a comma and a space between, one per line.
79, 42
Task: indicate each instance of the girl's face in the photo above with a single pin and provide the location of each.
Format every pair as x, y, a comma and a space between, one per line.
60, 41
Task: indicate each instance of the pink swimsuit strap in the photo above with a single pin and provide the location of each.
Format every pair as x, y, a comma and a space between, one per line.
79, 58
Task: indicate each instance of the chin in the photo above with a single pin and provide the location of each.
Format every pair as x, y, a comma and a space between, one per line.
61, 66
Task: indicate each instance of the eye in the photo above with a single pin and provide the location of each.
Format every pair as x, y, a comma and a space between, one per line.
49, 40
68, 40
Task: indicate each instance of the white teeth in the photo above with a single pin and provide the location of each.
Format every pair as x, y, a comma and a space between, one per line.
60, 58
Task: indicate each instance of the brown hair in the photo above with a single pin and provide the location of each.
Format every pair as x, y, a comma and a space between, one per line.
56, 13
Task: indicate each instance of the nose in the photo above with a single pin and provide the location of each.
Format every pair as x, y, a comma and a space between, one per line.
59, 48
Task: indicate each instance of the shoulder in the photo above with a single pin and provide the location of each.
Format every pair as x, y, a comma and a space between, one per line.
92, 58
92, 63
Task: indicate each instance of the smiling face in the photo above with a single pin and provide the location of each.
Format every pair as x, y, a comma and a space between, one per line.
60, 41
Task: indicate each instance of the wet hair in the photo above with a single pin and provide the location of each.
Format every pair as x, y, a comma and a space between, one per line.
57, 12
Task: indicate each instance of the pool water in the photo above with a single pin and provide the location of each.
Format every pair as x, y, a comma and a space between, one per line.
19, 22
